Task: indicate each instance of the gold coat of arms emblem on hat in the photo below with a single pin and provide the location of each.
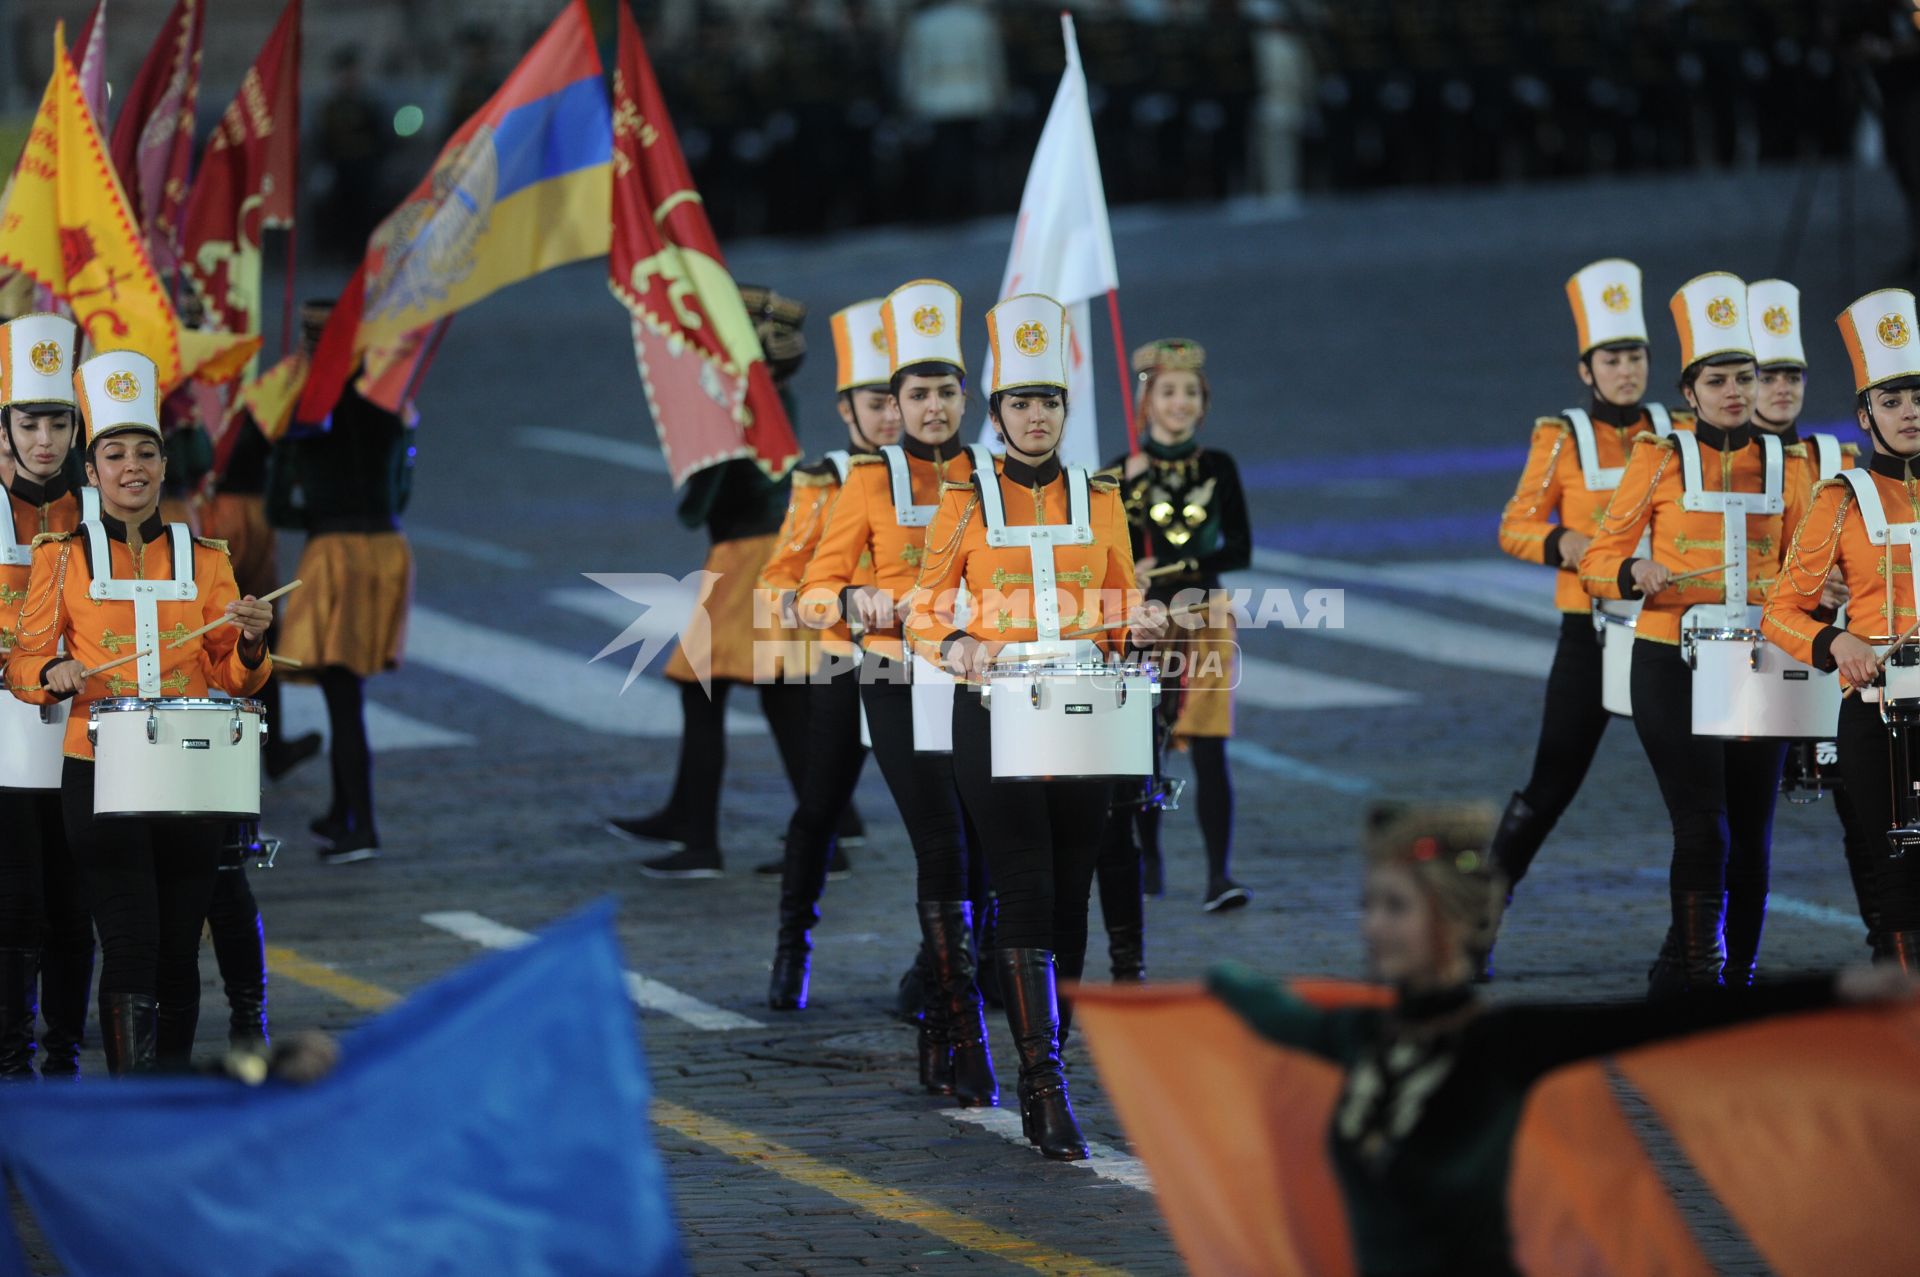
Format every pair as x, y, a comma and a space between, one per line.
123, 387
879, 340
1031, 338
928, 321
1893, 332
45, 358
1777, 321
1616, 298
1721, 312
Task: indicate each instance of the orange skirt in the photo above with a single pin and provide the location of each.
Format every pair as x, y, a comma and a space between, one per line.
745, 640
240, 519
1199, 671
351, 608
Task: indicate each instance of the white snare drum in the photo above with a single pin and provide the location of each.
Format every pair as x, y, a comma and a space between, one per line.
932, 708
30, 743
177, 757
1614, 631
1746, 687
1056, 721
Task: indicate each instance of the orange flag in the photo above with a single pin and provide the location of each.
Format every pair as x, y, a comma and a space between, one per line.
68, 226
1798, 1130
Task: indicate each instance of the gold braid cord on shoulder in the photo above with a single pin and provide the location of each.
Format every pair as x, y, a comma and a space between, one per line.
1546, 473
1631, 516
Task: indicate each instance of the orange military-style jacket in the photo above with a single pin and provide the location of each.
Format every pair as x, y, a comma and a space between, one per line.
1833, 538
35, 508
59, 607
815, 487
863, 527
1094, 583
1803, 467
1649, 497
1553, 496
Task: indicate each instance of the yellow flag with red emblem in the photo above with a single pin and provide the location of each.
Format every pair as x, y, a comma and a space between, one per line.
67, 225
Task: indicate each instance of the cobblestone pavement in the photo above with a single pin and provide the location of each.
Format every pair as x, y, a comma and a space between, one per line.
1376, 363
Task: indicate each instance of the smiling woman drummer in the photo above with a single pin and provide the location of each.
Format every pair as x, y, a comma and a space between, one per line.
1040, 837
149, 879
1694, 490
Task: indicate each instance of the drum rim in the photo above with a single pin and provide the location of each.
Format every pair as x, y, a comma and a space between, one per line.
134, 704
1723, 636
175, 815
1023, 669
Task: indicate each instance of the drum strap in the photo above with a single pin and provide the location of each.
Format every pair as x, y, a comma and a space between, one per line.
840, 459
145, 596
17, 552
1827, 449
905, 513
1734, 509
1596, 477
1039, 538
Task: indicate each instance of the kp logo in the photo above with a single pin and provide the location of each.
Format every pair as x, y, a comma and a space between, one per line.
670, 608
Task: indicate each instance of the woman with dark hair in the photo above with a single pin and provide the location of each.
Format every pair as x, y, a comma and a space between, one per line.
880, 518
1714, 499
1040, 837
1422, 1134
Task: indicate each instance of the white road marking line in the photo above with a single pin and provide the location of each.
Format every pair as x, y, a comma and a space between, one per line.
474, 548
1390, 627
1251, 753
1502, 584
592, 447
303, 709
1271, 685
647, 994
553, 680
1105, 1161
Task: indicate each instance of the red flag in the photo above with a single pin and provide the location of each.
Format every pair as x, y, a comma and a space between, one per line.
246, 182
153, 138
705, 374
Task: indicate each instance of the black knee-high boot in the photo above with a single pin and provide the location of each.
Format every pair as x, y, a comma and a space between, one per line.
129, 1025
1695, 955
1033, 1015
240, 950
803, 877
66, 978
19, 1012
1122, 909
1213, 801
1746, 917
947, 926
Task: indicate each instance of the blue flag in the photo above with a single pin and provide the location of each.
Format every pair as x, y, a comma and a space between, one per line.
494, 1122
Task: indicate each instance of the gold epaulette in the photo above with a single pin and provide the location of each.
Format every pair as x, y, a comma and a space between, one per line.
1113, 472
950, 485
1796, 449
1835, 482
1849, 449
214, 543
1104, 482
1648, 436
51, 536
866, 459
1560, 422
801, 479
1678, 415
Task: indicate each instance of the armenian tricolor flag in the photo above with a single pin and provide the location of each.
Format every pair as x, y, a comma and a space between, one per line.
523, 186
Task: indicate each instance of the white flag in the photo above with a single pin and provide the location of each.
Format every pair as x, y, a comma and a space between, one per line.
1063, 247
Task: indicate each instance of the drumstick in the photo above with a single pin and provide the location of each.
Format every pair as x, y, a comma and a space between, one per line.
1688, 576
1185, 609
114, 665
211, 626
1881, 663
1178, 565
287, 661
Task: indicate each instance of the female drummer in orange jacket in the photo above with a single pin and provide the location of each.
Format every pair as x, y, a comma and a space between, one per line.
1040, 838
1836, 541
1719, 793
149, 879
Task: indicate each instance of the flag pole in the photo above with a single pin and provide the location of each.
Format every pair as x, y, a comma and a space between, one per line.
1126, 381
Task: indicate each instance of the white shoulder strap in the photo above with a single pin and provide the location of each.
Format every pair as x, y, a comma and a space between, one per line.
1776, 474
1689, 448
1696, 497
1597, 478
986, 481
18, 551
182, 552
1662, 422
1827, 449
905, 513
1872, 513
840, 459
100, 556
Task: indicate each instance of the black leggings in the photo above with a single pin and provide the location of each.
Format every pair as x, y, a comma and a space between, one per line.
150, 883
921, 783
350, 753
1866, 770
695, 802
1720, 794
1040, 838
834, 758
42, 897
1571, 723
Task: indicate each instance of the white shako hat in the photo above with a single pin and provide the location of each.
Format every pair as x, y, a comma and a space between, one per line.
1027, 343
922, 323
36, 361
118, 391
1606, 305
1883, 338
860, 346
1773, 315
1710, 312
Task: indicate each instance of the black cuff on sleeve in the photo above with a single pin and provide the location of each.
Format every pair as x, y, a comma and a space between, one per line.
946, 644
1550, 552
1628, 590
1823, 648
252, 654
53, 661
1826, 615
